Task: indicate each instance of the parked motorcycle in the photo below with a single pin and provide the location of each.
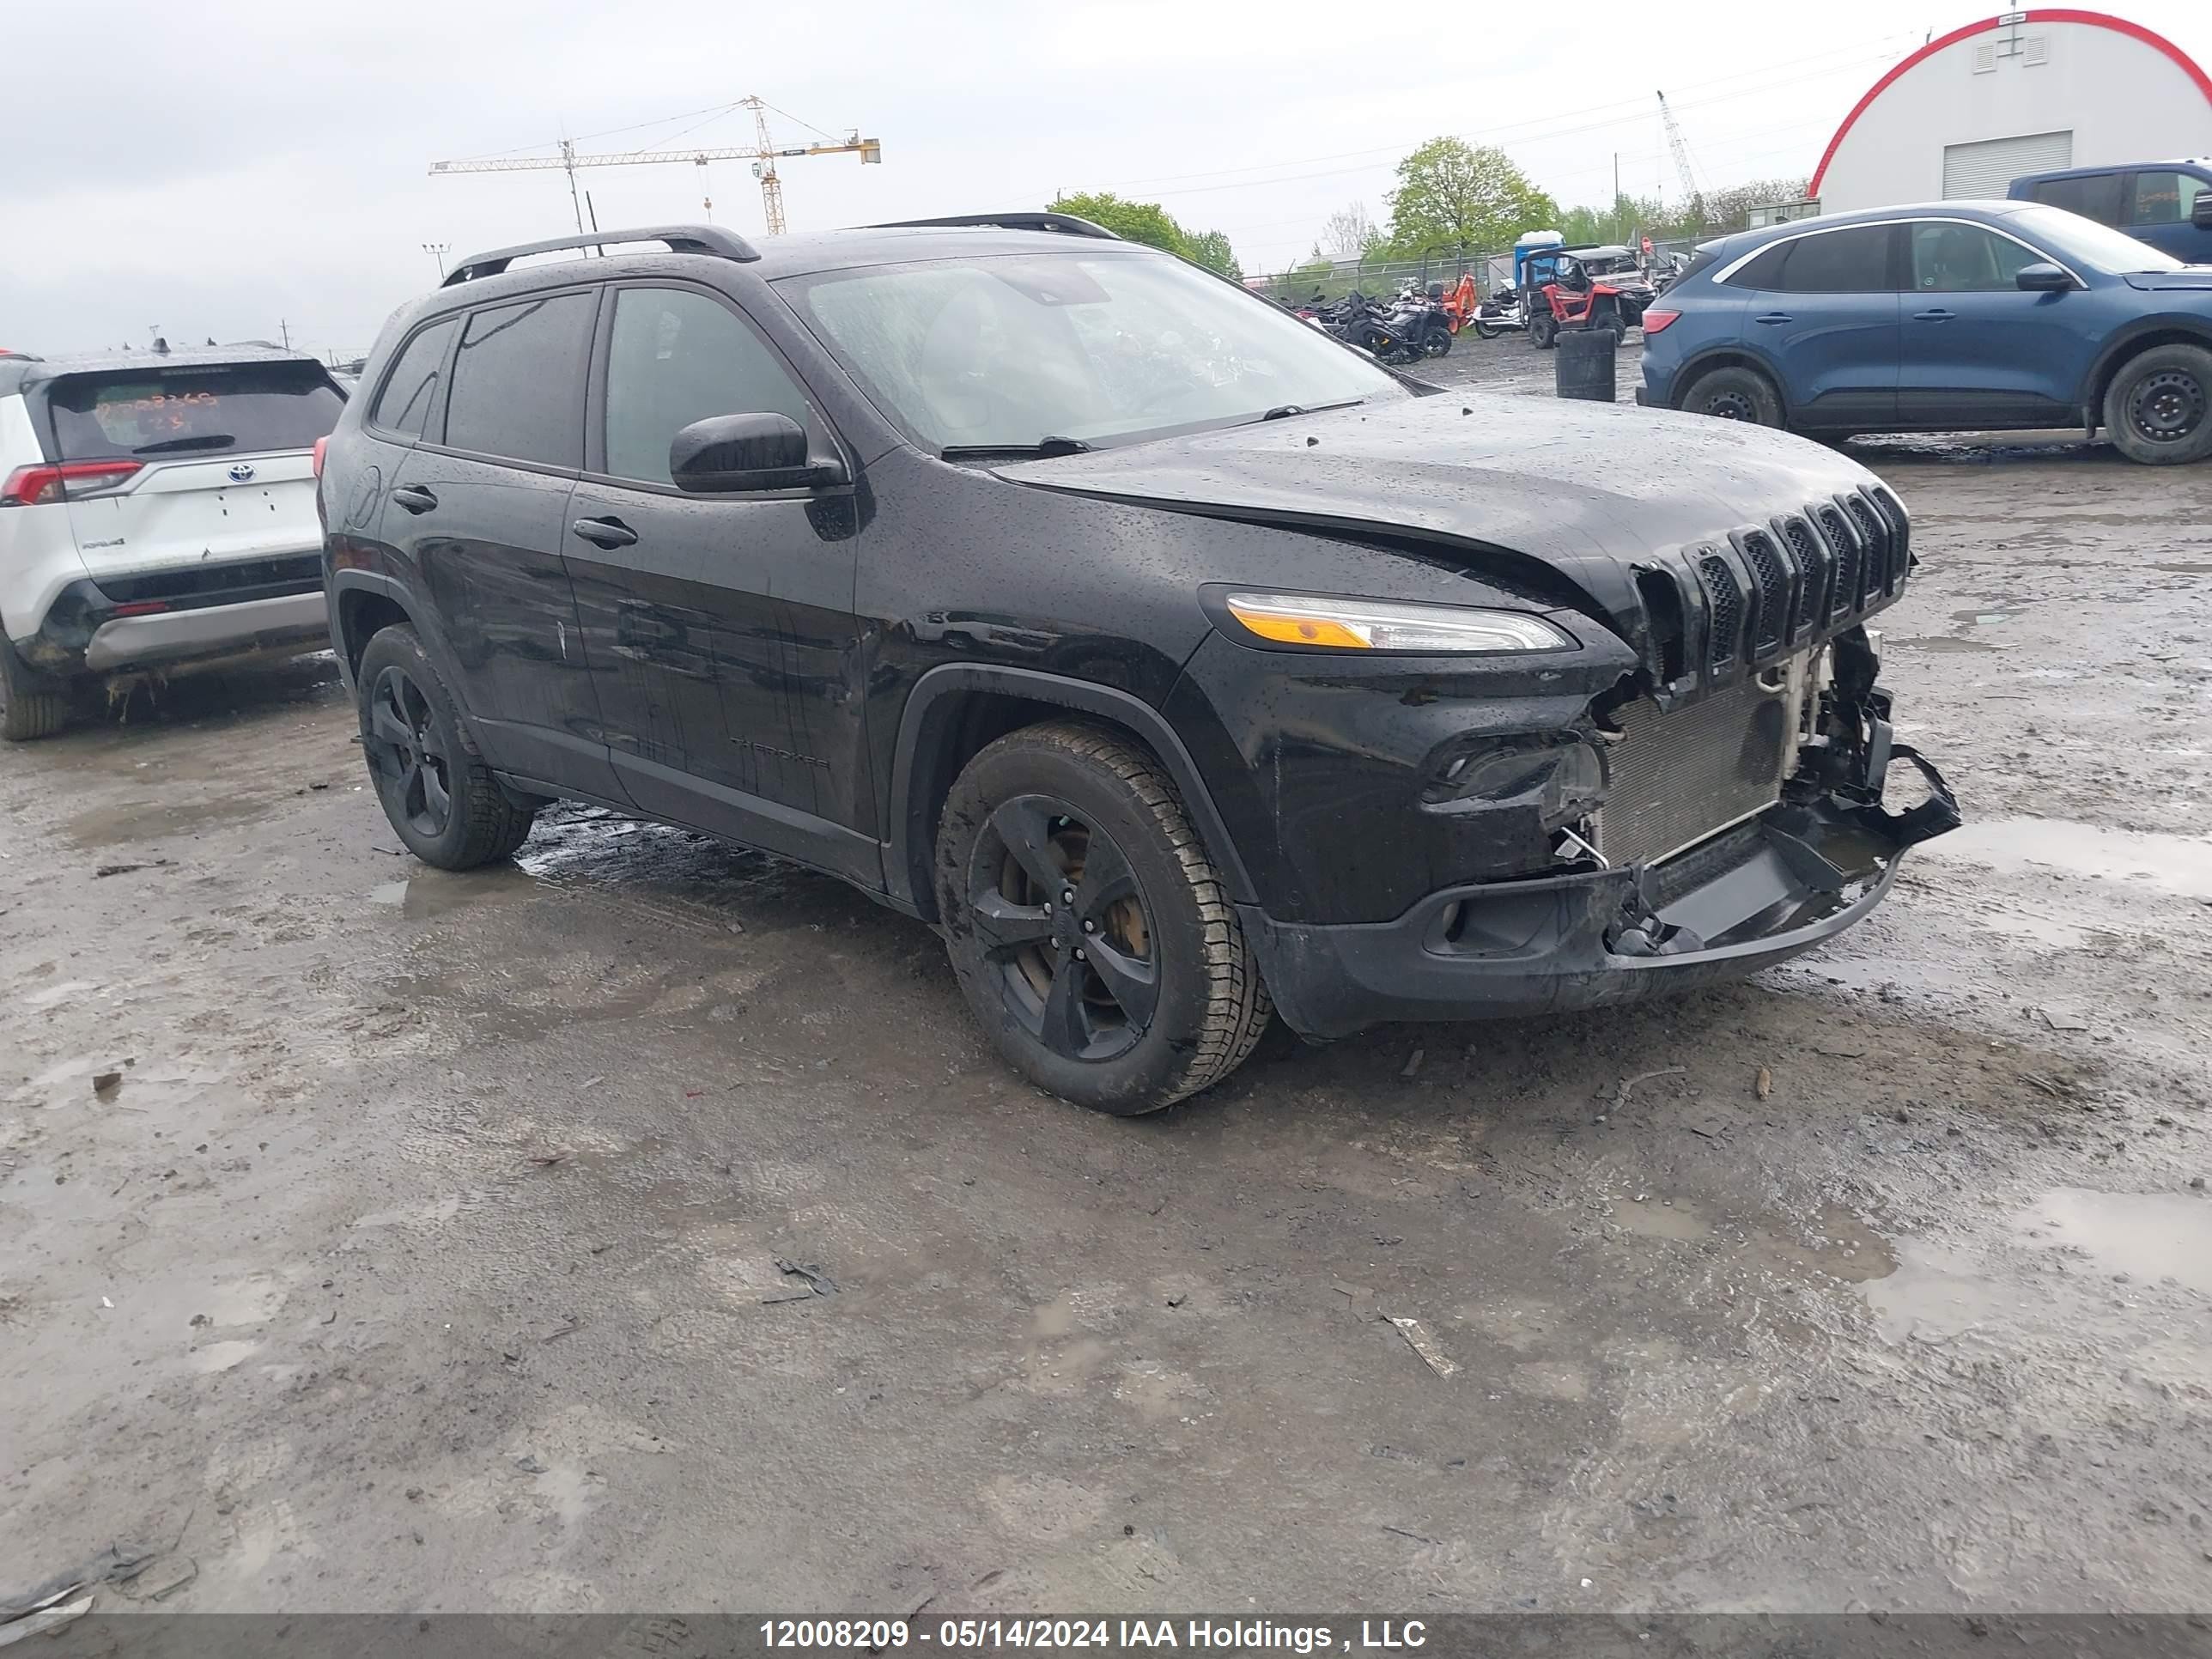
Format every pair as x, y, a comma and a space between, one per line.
1500, 312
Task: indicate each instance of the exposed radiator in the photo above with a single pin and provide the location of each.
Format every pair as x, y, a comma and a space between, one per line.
1681, 776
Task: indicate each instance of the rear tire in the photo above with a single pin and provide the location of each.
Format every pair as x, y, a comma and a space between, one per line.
1734, 394
31, 705
2159, 406
1486, 330
442, 801
1060, 840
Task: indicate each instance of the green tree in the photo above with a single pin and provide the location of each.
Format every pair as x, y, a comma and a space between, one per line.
1152, 225
1134, 221
1210, 249
1453, 193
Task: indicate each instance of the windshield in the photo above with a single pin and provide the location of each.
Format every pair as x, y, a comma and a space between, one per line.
1094, 347
2086, 242
197, 409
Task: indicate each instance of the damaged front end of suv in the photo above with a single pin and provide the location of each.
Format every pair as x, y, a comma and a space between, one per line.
1719, 806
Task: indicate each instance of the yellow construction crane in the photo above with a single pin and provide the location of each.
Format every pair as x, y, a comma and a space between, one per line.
763, 155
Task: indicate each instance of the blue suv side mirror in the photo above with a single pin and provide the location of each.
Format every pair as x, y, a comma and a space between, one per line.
2044, 278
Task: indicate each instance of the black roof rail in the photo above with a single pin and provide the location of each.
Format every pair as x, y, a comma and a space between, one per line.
679, 238
1067, 223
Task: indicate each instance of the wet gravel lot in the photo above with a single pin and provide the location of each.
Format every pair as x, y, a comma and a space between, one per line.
433, 1245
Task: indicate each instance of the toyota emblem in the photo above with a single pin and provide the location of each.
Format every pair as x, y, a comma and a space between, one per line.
240, 472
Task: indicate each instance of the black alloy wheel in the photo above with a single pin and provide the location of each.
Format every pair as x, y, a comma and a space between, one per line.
413, 771
444, 802
1063, 922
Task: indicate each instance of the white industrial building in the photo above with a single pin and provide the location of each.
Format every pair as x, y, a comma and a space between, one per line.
2027, 92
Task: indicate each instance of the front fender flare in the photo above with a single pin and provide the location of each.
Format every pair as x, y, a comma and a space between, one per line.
928, 723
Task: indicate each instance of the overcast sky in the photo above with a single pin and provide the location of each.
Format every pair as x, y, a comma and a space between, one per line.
220, 168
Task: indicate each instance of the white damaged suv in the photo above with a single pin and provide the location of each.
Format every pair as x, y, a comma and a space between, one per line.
157, 516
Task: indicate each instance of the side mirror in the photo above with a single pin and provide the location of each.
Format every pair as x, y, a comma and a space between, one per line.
746, 452
2044, 278
2200, 210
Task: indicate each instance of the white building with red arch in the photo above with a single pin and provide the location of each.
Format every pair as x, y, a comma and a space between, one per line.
2026, 92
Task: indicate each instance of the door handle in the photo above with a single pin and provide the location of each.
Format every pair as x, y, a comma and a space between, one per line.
414, 498
1771, 316
1938, 315
605, 532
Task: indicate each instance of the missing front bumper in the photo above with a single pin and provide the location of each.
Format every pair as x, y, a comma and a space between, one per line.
1794, 876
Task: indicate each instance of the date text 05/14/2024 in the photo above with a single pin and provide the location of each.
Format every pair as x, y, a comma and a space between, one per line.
1107, 1635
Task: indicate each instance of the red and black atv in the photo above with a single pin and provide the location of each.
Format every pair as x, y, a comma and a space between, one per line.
1565, 287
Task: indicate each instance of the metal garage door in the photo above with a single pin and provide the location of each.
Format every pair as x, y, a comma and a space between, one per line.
1985, 170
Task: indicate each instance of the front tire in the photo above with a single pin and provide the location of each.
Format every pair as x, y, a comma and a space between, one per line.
1543, 330
1438, 341
440, 797
1734, 394
1091, 934
2159, 406
31, 705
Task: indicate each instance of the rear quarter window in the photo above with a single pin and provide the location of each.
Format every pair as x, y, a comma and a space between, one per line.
195, 409
411, 389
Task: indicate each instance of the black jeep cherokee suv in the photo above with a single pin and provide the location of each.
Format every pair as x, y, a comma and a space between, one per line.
1177, 661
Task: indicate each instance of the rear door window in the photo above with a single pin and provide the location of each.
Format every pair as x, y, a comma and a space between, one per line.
192, 409
2093, 195
1855, 261
2164, 198
518, 391
411, 389
676, 356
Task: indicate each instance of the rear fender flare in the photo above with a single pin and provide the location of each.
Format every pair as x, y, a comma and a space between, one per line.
930, 722
420, 618
1724, 356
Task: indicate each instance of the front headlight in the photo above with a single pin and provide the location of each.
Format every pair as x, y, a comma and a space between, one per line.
1382, 625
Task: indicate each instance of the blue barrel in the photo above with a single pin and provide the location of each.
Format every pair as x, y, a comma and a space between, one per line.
1584, 367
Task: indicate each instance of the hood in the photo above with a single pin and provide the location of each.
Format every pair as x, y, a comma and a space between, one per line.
2189, 278
1581, 493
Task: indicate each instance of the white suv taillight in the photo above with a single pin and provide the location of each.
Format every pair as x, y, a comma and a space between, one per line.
39, 486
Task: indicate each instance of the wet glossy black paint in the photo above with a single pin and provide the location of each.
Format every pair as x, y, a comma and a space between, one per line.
749, 664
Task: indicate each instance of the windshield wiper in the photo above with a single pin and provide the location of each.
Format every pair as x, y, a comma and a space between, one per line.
205, 440
1284, 411
1042, 447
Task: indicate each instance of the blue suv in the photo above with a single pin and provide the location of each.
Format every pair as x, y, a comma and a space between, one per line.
1961, 316
2166, 203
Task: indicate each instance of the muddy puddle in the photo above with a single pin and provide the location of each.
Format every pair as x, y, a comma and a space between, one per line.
2123, 1239
2177, 864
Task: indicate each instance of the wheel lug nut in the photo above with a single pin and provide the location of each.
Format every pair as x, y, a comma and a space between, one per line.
1078, 953
1068, 896
1090, 927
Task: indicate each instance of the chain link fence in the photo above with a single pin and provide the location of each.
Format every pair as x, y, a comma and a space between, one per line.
1492, 270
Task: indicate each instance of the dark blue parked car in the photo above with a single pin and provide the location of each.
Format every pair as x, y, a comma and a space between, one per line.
1957, 316
2166, 203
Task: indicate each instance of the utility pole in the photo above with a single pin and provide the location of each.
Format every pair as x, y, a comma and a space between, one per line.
284, 333
438, 250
